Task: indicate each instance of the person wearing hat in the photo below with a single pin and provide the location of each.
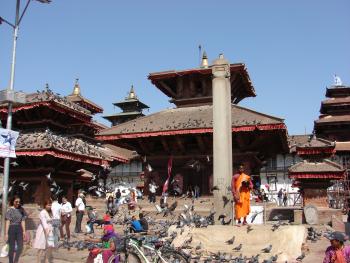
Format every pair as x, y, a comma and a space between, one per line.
109, 241
80, 206
337, 252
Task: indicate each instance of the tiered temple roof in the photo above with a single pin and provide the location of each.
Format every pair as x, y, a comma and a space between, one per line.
77, 98
56, 135
334, 121
194, 86
132, 108
314, 151
316, 147
190, 120
325, 169
40, 143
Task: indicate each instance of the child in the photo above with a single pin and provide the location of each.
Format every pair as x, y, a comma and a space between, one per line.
92, 217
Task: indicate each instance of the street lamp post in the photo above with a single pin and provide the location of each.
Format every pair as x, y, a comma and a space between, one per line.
10, 97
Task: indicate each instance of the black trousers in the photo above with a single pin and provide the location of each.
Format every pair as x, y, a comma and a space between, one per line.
152, 197
78, 221
15, 236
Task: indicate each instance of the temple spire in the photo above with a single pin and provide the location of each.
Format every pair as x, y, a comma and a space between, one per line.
132, 94
76, 90
204, 63
337, 80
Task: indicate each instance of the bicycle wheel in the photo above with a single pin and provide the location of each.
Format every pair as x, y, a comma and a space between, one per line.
130, 257
172, 257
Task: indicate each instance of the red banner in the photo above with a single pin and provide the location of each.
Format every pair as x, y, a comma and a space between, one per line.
166, 184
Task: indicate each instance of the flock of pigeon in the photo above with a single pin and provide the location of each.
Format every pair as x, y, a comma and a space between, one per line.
188, 219
40, 139
49, 95
182, 222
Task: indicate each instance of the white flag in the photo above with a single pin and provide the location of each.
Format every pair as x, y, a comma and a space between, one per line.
8, 140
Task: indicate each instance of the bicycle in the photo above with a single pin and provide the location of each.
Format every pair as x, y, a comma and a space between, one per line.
136, 250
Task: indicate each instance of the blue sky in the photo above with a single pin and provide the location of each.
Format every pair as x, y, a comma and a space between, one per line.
291, 49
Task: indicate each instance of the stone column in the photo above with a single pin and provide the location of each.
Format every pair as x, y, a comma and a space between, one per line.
222, 135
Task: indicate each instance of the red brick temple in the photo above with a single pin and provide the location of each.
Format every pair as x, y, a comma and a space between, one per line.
185, 133
315, 173
57, 137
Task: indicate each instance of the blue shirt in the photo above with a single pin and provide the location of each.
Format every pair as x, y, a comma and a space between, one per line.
136, 225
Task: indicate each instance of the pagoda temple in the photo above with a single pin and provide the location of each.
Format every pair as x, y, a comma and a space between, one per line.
334, 121
334, 124
316, 172
131, 109
56, 137
184, 134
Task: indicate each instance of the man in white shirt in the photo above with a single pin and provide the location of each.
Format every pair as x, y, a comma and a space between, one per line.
66, 210
80, 206
56, 215
55, 208
152, 187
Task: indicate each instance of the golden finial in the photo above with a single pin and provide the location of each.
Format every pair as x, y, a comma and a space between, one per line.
76, 90
132, 94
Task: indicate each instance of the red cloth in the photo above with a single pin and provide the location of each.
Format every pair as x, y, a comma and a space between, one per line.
166, 184
108, 227
106, 255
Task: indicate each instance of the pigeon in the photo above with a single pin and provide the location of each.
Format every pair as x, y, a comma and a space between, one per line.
221, 217
199, 246
301, 257
173, 206
14, 164
231, 240
225, 200
182, 231
276, 226
254, 259
23, 185
54, 184
48, 176
267, 249
238, 248
249, 228
277, 217
215, 188
274, 258
254, 216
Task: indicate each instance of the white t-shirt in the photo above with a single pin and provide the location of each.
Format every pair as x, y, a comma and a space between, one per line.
79, 204
56, 210
66, 209
152, 188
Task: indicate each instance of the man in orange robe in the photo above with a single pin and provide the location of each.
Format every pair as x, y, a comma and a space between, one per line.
241, 185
